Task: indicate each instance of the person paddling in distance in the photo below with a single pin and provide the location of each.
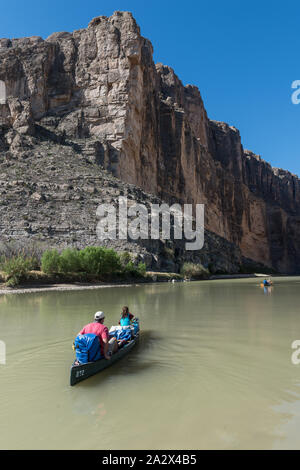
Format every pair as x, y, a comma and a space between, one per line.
126, 317
107, 346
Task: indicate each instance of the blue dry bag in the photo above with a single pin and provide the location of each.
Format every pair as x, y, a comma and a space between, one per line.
136, 327
122, 334
87, 348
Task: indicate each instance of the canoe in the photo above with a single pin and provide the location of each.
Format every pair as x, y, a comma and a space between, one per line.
83, 371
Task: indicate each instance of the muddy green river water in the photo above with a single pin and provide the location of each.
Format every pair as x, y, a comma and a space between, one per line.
212, 370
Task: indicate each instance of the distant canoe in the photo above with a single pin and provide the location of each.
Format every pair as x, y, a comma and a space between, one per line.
83, 371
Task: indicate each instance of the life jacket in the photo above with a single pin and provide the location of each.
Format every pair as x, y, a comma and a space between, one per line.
125, 321
87, 348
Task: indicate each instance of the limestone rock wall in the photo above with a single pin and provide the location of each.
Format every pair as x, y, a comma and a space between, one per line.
98, 91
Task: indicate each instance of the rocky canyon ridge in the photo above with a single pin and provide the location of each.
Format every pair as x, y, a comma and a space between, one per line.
87, 116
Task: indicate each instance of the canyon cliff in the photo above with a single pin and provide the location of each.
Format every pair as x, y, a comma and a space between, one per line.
86, 110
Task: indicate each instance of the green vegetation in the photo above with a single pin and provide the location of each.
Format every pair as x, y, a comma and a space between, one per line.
96, 261
17, 260
194, 271
99, 261
50, 261
135, 271
125, 258
93, 263
15, 269
30, 251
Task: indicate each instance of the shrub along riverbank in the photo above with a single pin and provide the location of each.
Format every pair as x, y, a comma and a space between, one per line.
89, 264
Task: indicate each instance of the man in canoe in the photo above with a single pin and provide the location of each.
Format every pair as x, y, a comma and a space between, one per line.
98, 328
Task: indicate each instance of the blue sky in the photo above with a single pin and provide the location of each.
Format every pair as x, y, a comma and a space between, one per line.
243, 56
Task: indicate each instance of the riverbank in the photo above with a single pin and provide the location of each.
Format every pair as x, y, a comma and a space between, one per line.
150, 277
39, 281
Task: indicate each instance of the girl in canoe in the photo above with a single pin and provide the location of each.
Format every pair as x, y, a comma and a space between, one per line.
126, 317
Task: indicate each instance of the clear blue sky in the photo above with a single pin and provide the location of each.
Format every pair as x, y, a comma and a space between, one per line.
242, 55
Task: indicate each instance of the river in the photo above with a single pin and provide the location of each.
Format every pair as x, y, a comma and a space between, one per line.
212, 370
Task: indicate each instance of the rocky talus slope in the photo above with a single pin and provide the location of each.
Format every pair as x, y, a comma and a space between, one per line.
49, 198
86, 116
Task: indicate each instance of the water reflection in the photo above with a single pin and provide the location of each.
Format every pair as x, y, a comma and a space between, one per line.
268, 290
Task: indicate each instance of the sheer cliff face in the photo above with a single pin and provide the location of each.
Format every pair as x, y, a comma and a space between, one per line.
100, 88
